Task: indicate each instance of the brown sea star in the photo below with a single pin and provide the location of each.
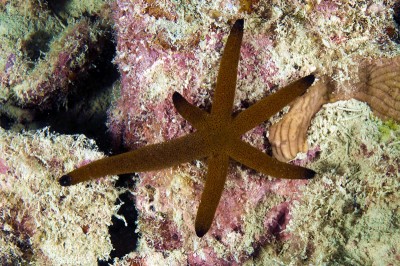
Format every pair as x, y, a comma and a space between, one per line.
217, 138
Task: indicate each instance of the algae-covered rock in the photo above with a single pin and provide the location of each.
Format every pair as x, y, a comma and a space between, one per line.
46, 48
349, 215
40, 221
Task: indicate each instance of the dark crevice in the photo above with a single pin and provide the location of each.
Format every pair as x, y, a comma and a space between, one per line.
123, 236
6, 121
87, 105
394, 33
85, 111
58, 7
37, 45
396, 13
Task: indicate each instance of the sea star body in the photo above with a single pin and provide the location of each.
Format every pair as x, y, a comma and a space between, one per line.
217, 138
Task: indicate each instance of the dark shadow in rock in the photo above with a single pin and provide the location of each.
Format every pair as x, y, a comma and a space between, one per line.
57, 6
85, 110
87, 105
37, 45
123, 236
394, 34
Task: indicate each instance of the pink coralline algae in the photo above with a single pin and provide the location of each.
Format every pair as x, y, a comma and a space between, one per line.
167, 202
154, 63
3, 166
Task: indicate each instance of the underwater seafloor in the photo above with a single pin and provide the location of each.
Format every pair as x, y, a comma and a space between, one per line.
80, 80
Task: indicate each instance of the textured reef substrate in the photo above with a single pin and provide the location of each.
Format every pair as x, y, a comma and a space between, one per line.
347, 215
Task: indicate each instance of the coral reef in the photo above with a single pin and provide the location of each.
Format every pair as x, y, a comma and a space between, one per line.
347, 215
40, 222
171, 46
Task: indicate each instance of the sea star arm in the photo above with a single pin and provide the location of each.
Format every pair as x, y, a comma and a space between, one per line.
270, 105
227, 74
147, 158
188, 111
249, 156
216, 139
216, 176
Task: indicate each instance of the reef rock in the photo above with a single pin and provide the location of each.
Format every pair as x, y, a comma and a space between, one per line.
45, 48
41, 222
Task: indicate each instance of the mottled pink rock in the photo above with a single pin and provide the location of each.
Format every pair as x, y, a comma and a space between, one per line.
154, 66
209, 257
277, 219
160, 199
3, 166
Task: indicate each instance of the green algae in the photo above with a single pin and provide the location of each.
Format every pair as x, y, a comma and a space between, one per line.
390, 131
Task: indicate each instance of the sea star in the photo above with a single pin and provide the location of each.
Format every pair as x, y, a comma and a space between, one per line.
217, 138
